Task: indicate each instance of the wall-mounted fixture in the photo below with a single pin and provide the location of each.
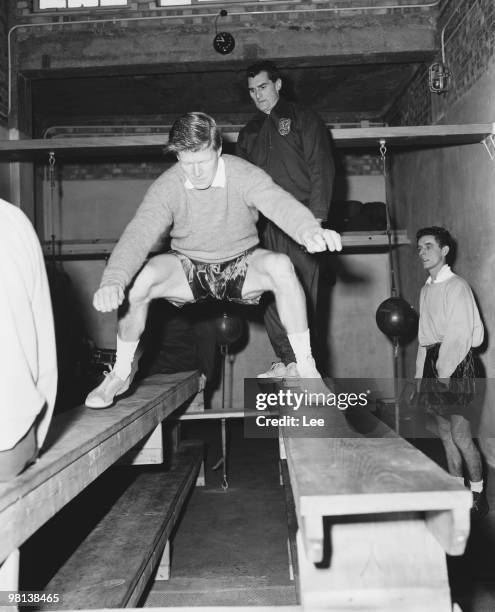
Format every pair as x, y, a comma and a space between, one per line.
439, 78
223, 42
439, 74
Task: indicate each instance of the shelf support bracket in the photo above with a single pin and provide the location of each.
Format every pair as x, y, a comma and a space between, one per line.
489, 143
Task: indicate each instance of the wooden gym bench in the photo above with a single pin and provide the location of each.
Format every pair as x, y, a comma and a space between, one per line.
113, 565
375, 518
81, 445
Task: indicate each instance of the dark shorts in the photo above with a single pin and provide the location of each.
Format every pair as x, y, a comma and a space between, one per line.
454, 399
221, 281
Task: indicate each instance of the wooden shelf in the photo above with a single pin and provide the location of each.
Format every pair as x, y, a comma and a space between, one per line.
77, 147
373, 239
79, 249
413, 136
101, 248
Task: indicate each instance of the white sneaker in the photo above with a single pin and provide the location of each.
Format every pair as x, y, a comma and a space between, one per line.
111, 387
276, 370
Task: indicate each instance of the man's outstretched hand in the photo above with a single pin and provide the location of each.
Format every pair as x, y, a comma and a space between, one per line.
319, 239
108, 298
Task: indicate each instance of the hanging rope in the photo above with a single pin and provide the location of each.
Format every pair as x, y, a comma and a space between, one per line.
51, 179
393, 283
224, 350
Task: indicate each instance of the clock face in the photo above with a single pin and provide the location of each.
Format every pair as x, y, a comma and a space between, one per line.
224, 43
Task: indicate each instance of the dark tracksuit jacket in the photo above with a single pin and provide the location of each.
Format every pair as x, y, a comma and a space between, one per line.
293, 146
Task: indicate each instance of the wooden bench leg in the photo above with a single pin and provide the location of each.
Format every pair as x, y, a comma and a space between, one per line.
163, 572
200, 480
175, 436
148, 451
385, 563
291, 566
9, 577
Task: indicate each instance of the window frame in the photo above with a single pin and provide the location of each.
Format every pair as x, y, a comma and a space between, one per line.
197, 3
38, 9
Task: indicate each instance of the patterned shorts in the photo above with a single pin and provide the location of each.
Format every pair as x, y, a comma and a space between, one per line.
222, 281
454, 399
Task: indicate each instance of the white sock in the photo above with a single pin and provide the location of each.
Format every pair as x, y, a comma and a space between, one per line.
124, 358
300, 345
476, 487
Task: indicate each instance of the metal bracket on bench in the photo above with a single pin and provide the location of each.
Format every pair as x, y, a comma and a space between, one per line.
489, 143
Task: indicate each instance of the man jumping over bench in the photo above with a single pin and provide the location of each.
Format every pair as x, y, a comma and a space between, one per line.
209, 202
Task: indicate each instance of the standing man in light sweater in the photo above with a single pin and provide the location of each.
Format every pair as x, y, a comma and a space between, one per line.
210, 204
449, 326
292, 144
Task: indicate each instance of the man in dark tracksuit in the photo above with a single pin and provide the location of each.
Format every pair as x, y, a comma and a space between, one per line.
293, 146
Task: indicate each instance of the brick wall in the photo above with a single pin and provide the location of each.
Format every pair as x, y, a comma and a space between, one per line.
469, 45
360, 164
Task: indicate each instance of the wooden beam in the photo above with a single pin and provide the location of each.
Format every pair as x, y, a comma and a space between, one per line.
82, 444
344, 473
113, 564
382, 474
363, 496
83, 147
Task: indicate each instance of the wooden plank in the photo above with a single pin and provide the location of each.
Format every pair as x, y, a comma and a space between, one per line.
84, 146
373, 239
348, 473
413, 135
113, 565
64, 249
82, 444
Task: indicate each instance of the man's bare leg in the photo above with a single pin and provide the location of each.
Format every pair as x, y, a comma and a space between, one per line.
269, 271
452, 453
162, 277
463, 439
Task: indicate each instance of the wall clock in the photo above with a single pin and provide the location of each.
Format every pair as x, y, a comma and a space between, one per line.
224, 43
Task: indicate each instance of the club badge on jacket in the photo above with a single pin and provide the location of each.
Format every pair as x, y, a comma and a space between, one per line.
283, 127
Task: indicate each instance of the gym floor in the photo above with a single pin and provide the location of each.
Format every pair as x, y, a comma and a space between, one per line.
231, 547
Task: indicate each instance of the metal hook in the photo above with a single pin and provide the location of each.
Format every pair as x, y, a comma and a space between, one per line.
383, 149
51, 171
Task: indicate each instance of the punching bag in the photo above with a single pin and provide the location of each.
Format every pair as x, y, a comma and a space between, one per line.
228, 329
396, 318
